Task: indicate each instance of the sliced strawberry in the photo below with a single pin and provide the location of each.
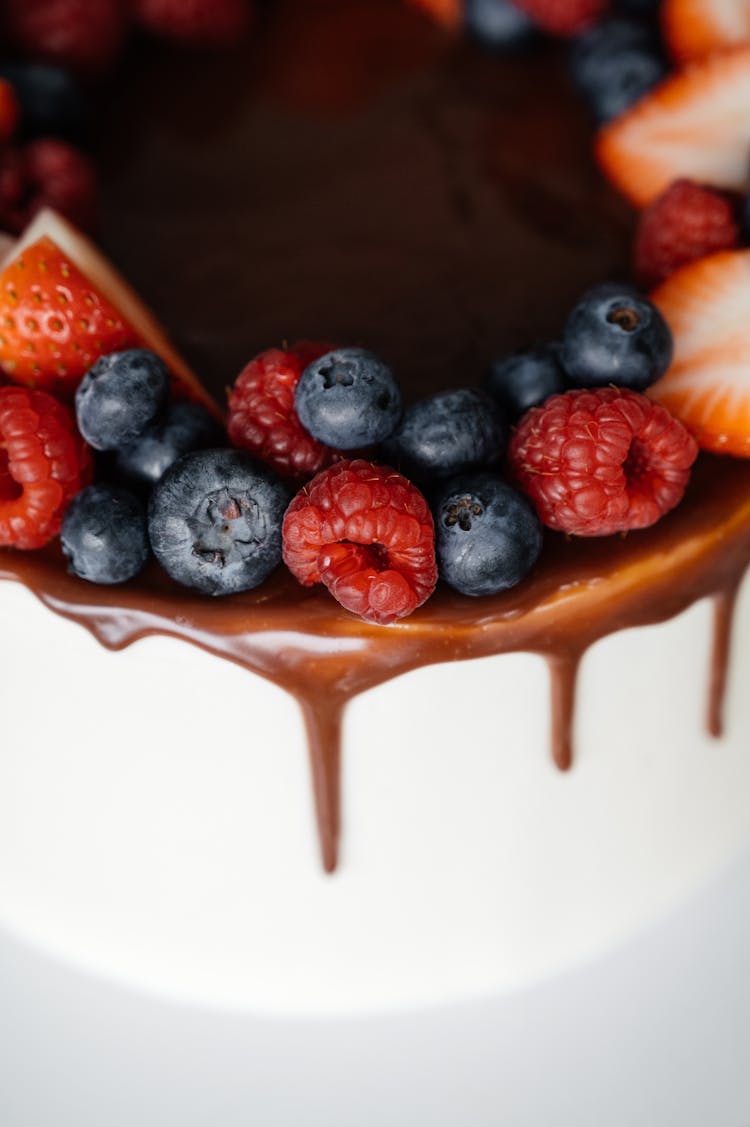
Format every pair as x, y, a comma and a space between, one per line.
696, 28
695, 124
707, 306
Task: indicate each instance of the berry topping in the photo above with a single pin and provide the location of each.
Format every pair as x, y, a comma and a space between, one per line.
218, 23
487, 534
348, 399
615, 63
43, 463
51, 101
53, 324
696, 28
104, 535
120, 396
563, 17
602, 461
708, 383
615, 336
85, 35
185, 427
498, 24
685, 223
46, 173
446, 433
525, 379
695, 124
262, 416
214, 521
367, 534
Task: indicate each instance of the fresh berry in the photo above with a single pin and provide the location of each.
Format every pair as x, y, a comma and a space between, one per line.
120, 397
602, 461
53, 324
707, 386
615, 336
104, 536
85, 35
563, 17
499, 25
43, 463
262, 416
696, 28
185, 427
348, 399
446, 433
197, 22
525, 379
487, 534
10, 111
46, 173
615, 63
696, 124
687, 222
367, 534
215, 521
52, 103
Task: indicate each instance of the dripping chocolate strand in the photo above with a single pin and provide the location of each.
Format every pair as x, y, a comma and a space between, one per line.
323, 721
563, 670
724, 606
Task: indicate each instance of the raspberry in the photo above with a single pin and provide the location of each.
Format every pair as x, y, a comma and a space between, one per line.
85, 35
563, 17
367, 534
46, 173
197, 22
44, 462
602, 461
686, 222
10, 111
262, 417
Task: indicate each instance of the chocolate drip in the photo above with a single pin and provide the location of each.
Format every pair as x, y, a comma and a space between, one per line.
724, 605
563, 670
323, 719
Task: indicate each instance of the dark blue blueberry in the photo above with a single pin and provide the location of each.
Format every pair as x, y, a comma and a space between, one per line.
184, 427
487, 534
525, 379
214, 521
615, 63
120, 397
104, 534
446, 433
348, 398
52, 103
498, 24
616, 336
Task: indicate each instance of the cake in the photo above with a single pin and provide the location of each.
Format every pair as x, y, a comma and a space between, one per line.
156, 822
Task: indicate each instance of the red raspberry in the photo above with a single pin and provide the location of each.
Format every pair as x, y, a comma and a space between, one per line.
563, 17
602, 461
44, 462
196, 22
46, 173
367, 534
10, 111
686, 222
262, 418
85, 35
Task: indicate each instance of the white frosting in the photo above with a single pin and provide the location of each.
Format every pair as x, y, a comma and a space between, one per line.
156, 820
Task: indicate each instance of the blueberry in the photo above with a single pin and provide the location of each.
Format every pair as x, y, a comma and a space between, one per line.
185, 427
348, 398
615, 336
615, 63
214, 521
104, 534
487, 534
498, 24
120, 397
446, 433
525, 379
52, 103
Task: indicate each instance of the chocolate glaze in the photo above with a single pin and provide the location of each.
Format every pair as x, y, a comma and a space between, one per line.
356, 175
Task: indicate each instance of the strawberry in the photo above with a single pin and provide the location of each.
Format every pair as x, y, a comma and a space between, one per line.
696, 28
707, 306
53, 323
695, 125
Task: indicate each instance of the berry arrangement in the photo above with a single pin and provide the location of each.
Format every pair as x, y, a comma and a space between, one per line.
319, 464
